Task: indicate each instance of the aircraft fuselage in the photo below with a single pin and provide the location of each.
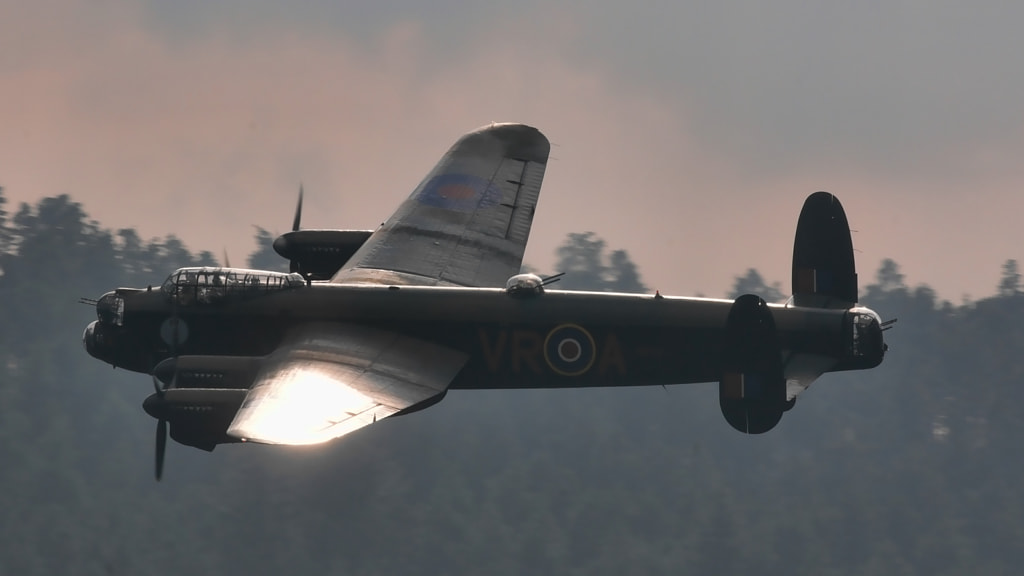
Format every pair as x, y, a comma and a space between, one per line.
553, 339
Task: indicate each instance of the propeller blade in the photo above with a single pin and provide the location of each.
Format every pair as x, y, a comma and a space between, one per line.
293, 266
161, 446
159, 371
298, 212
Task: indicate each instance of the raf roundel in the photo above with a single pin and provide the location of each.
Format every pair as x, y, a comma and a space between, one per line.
174, 331
459, 193
569, 350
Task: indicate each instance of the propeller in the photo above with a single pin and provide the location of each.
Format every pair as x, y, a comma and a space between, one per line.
157, 407
298, 212
158, 385
293, 266
161, 421
161, 446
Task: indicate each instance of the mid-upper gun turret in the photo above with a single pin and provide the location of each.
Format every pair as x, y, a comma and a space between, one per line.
524, 286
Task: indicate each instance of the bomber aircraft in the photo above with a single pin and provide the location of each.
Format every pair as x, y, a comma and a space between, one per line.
372, 324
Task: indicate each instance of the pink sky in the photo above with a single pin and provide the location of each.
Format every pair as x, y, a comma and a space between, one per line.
208, 135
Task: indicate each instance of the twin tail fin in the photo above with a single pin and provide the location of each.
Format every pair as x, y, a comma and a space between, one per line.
824, 274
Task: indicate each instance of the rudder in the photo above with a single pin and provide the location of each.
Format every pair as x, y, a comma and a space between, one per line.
824, 274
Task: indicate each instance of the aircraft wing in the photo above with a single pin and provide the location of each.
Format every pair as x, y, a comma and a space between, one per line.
327, 380
467, 223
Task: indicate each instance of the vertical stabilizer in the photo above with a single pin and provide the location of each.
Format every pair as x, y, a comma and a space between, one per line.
824, 275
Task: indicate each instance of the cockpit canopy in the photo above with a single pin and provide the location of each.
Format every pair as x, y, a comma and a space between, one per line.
207, 285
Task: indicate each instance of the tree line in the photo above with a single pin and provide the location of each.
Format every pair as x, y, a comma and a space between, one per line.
909, 468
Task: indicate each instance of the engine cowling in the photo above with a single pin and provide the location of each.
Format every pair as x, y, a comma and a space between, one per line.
319, 254
752, 388
198, 396
218, 372
197, 417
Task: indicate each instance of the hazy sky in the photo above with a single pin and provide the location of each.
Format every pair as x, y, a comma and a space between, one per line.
687, 133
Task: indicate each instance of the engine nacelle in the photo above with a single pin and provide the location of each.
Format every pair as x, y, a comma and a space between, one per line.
197, 417
218, 372
752, 389
319, 254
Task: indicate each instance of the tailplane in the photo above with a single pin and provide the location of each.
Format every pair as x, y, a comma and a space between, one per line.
824, 274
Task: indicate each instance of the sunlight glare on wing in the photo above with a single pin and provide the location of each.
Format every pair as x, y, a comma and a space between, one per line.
302, 405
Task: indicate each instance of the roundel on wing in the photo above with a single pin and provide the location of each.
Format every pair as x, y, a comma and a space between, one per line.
569, 350
459, 192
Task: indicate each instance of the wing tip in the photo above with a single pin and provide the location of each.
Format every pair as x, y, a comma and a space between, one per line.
518, 140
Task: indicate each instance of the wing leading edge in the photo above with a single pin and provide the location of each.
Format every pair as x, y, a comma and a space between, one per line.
467, 222
327, 380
